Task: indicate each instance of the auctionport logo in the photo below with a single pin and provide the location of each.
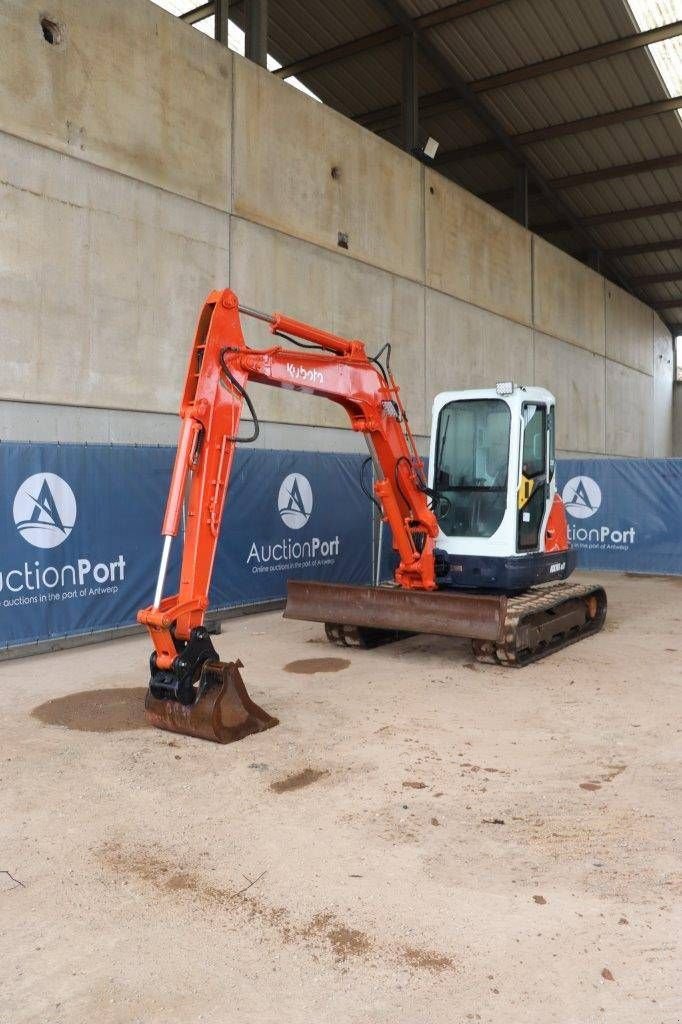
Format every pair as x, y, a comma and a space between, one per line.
295, 501
582, 497
295, 506
44, 510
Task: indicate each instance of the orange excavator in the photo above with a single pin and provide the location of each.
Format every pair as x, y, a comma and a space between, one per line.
463, 587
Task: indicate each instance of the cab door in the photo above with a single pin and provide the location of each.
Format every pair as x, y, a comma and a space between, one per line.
533, 480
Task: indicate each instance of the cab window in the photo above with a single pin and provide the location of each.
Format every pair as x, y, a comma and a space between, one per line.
551, 442
472, 456
534, 454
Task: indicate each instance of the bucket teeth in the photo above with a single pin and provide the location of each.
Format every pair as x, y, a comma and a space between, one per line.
222, 710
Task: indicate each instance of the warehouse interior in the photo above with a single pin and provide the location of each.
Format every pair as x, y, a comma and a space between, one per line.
493, 188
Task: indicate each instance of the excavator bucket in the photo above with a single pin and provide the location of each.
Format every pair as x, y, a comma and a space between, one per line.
222, 710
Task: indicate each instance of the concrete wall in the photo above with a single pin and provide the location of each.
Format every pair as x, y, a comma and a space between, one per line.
143, 164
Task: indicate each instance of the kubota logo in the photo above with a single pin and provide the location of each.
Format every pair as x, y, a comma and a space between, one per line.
300, 373
44, 510
582, 497
295, 501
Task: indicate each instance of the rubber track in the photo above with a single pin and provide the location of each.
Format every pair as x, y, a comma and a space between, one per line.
533, 602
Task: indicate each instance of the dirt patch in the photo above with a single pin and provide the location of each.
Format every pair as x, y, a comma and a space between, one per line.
613, 771
299, 780
324, 929
112, 710
427, 958
144, 864
181, 882
310, 666
343, 940
414, 785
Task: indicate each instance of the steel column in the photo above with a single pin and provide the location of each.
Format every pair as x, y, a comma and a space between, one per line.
220, 28
256, 28
521, 195
410, 97
594, 260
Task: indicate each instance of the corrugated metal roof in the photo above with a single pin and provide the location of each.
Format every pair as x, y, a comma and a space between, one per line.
513, 34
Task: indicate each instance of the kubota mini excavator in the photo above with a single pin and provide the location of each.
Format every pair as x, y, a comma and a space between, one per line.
479, 547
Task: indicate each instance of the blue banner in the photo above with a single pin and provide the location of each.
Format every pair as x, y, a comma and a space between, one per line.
296, 515
80, 532
624, 514
80, 528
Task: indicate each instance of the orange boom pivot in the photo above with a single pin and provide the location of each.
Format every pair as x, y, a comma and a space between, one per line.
190, 690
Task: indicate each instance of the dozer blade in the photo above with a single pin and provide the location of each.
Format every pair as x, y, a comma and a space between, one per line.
222, 710
392, 612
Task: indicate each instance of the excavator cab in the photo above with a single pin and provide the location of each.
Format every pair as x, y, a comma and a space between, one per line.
492, 470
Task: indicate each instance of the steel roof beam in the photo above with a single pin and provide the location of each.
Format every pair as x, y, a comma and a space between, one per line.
207, 10
445, 99
617, 171
645, 279
635, 213
665, 245
502, 140
498, 197
198, 13
556, 131
383, 36
615, 216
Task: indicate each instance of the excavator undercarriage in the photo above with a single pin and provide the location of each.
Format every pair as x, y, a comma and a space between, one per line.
513, 631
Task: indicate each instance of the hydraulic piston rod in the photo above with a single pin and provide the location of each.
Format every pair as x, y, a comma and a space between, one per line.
163, 569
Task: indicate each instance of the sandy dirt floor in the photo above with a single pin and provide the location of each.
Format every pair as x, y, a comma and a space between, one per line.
422, 839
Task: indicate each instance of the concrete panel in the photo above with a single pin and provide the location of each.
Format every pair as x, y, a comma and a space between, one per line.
474, 252
568, 298
629, 330
101, 281
629, 413
271, 271
67, 424
285, 148
576, 379
663, 390
467, 347
128, 88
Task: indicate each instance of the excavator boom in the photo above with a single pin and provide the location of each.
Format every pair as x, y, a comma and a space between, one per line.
186, 676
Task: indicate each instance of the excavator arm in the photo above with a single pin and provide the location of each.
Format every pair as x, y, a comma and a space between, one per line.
220, 368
